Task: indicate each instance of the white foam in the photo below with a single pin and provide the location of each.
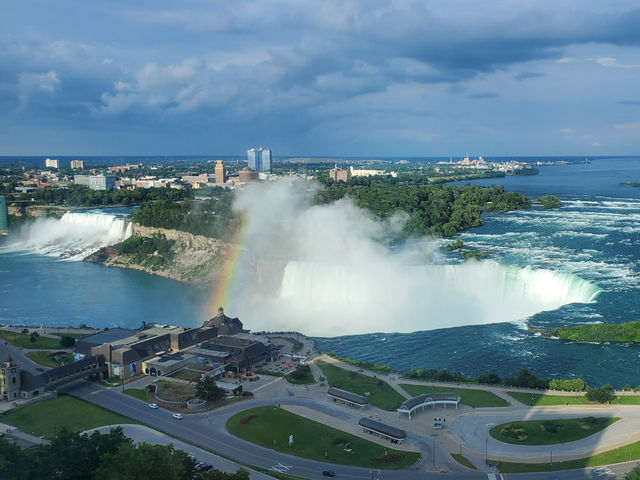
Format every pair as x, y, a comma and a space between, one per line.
72, 237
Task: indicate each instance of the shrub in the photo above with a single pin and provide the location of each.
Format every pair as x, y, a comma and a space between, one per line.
604, 394
66, 341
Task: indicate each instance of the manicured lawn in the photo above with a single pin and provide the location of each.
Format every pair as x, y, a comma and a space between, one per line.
382, 395
545, 400
45, 358
139, 393
617, 455
271, 426
627, 400
468, 396
462, 460
45, 418
188, 375
23, 340
550, 432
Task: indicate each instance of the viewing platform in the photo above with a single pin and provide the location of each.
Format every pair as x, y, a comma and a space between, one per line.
428, 400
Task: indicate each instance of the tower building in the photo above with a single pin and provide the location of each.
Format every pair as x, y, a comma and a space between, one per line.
259, 159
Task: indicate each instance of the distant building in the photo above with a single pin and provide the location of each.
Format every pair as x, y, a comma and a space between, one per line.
202, 178
96, 182
337, 174
247, 175
52, 163
259, 159
220, 172
77, 164
4, 223
369, 173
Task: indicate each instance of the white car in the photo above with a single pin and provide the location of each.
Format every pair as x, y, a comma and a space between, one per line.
153, 405
177, 415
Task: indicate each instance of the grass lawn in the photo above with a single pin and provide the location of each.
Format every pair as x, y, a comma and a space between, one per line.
626, 400
139, 393
44, 418
545, 400
306, 380
174, 391
462, 460
550, 432
271, 426
188, 375
45, 358
382, 395
468, 396
23, 340
617, 455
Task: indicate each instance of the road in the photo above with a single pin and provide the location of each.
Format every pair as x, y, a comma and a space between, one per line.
208, 431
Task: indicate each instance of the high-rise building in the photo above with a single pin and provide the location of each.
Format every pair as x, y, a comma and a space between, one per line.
77, 164
259, 159
52, 163
220, 172
4, 224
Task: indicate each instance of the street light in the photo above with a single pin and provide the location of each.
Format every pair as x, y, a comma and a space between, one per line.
486, 454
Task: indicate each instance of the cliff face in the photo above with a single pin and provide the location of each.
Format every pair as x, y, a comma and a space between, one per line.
195, 259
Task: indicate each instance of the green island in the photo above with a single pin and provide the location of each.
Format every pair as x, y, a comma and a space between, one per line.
468, 396
549, 201
379, 392
631, 184
301, 376
549, 432
51, 359
462, 460
271, 426
600, 332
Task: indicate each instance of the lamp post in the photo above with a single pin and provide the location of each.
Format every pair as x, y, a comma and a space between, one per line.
486, 450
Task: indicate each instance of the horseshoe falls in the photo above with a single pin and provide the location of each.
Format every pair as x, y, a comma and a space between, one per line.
380, 299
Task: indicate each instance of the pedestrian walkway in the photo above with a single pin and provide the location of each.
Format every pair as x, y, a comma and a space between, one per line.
13, 432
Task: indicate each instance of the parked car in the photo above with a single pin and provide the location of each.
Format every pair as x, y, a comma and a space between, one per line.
178, 416
153, 405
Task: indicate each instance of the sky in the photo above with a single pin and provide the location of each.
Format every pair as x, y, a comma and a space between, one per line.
320, 78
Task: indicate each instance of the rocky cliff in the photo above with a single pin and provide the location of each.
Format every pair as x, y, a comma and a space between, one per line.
195, 259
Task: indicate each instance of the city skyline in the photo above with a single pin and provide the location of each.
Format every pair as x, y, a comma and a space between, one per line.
320, 78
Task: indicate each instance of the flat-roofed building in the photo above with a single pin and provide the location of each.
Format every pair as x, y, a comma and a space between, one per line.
96, 182
388, 432
348, 398
52, 163
75, 164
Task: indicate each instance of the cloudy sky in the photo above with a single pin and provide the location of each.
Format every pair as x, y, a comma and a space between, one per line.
326, 77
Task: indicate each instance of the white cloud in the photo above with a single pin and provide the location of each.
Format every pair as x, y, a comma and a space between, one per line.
627, 126
32, 83
597, 144
612, 62
566, 131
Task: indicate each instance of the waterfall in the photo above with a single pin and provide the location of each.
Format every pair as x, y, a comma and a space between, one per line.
352, 299
74, 236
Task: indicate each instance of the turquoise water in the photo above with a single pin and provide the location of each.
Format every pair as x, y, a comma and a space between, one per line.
595, 236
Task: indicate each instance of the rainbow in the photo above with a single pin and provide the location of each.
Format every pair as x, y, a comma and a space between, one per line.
222, 290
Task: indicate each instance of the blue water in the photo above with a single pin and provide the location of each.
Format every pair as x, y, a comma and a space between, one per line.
595, 235
39, 290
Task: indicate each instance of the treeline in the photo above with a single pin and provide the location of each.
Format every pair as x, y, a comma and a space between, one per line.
213, 217
524, 378
600, 332
440, 210
83, 196
151, 252
112, 455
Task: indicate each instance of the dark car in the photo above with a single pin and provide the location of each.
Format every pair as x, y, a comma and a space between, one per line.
203, 467
329, 473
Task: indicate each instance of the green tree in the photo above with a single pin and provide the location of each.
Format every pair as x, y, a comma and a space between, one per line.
67, 341
146, 462
604, 394
207, 389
